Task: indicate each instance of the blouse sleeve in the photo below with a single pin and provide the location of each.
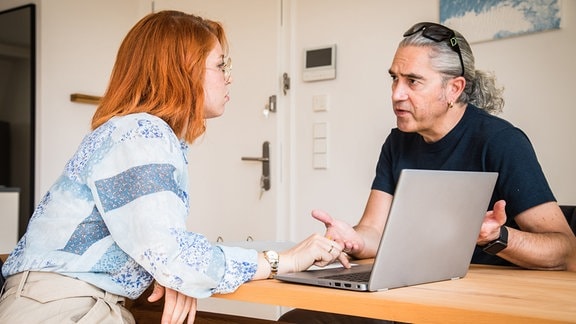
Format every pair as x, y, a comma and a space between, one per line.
140, 189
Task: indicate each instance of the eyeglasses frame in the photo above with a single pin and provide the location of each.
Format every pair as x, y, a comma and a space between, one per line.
225, 67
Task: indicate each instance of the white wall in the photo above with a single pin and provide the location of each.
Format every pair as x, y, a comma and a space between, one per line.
537, 72
72, 60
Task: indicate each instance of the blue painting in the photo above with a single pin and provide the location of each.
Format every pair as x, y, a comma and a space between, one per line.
483, 20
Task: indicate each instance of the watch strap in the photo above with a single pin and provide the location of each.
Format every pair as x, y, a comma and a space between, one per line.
498, 244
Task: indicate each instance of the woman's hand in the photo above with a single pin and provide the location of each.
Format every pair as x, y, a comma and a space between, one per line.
315, 250
176, 305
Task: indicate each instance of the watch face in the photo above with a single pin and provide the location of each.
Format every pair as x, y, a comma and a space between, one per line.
272, 255
495, 247
273, 258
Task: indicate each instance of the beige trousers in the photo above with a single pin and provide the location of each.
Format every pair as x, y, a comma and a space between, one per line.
47, 297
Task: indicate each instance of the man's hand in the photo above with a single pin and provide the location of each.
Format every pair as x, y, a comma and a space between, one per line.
493, 220
341, 233
176, 305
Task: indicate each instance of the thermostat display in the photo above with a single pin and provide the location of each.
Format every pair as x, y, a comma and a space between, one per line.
319, 63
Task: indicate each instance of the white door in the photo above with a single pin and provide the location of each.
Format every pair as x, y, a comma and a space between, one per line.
226, 200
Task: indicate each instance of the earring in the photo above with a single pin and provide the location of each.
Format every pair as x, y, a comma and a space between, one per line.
450, 104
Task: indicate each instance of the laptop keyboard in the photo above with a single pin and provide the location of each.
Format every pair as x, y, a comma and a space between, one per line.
354, 277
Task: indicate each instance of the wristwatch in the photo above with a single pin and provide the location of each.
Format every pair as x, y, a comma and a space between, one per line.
498, 244
273, 258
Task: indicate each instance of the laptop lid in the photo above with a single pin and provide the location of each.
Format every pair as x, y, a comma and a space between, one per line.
430, 233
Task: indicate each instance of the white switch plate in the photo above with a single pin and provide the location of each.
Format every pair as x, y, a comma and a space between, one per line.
320, 161
320, 102
320, 145
320, 130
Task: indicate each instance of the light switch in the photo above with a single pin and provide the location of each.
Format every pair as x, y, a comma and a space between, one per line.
320, 160
320, 102
320, 130
320, 145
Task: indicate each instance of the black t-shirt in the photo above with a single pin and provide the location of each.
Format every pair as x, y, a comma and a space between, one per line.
479, 142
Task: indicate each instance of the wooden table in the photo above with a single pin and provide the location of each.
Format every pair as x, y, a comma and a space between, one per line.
486, 295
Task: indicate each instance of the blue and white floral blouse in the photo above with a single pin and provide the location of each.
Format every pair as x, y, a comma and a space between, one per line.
116, 218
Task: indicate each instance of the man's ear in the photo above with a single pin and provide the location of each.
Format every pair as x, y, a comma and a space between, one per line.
455, 87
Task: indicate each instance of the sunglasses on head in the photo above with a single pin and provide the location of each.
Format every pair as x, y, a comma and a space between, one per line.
438, 33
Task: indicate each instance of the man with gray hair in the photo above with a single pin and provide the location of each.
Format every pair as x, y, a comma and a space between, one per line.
445, 120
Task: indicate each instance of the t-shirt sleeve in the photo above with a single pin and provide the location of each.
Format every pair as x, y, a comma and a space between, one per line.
521, 181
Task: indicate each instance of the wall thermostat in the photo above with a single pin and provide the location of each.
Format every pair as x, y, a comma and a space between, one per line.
319, 63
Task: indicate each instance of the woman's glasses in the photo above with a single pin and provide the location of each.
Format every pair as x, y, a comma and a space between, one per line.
438, 33
225, 67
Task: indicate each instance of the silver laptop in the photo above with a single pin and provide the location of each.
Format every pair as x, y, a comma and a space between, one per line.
430, 234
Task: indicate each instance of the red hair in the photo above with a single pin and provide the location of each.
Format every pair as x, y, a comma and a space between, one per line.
160, 69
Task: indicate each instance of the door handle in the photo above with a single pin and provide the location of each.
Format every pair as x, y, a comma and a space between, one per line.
256, 159
265, 159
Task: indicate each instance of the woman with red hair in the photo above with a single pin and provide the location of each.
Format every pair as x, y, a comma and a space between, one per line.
115, 220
